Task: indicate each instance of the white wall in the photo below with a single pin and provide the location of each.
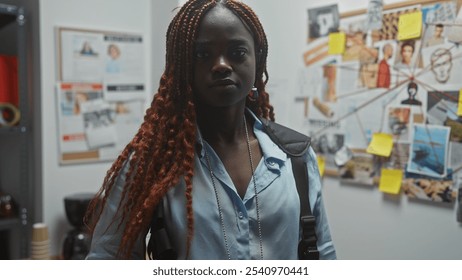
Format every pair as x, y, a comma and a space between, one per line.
60, 181
162, 13
365, 223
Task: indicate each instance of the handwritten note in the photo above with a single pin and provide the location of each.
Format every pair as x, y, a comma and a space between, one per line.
381, 144
410, 26
390, 181
459, 110
321, 165
337, 43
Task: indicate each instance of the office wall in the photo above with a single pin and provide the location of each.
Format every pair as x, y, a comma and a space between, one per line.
60, 181
365, 223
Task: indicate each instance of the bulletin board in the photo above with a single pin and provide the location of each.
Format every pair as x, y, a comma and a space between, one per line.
100, 92
380, 95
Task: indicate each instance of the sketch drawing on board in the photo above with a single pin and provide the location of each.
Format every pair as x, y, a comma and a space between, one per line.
444, 64
441, 64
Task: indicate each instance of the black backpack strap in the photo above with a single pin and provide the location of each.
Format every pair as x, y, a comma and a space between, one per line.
295, 145
159, 245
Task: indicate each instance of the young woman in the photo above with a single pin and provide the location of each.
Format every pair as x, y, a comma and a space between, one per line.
226, 190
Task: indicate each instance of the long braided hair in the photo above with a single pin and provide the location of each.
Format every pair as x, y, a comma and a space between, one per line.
162, 151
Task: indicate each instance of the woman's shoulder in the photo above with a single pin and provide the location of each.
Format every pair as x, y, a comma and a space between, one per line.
289, 140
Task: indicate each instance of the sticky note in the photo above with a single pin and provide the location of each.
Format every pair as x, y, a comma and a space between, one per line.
381, 144
337, 43
459, 109
390, 181
410, 26
321, 165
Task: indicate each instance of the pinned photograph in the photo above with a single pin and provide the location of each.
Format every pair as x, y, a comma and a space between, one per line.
360, 169
442, 106
87, 49
439, 12
407, 54
429, 150
322, 21
99, 124
459, 206
442, 110
329, 82
430, 189
412, 90
327, 145
398, 123
434, 35
386, 61
390, 19
374, 14
399, 156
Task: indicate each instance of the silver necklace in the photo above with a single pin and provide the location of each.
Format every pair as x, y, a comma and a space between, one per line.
220, 212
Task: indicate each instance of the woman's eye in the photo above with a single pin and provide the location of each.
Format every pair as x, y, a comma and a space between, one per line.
201, 54
239, 53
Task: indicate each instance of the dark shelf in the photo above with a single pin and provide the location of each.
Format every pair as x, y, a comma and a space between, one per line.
8, 223
8, 14
12, 129
15, 141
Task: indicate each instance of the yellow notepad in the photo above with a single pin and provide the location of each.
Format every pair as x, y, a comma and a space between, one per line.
321, 165
459, 109
337, 43
410, 26
390, 181
381, 144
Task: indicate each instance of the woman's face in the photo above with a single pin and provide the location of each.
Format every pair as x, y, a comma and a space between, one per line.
114, 52
406, 53
224, 60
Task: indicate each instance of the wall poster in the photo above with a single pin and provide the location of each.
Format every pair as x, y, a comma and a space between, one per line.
100, 92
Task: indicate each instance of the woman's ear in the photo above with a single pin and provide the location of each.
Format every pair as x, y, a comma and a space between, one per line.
259, 54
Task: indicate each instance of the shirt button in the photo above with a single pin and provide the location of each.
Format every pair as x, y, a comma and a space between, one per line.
241, 215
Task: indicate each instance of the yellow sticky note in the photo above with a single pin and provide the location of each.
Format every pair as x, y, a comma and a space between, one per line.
321, 165
381, 144
390, 180
337, 43
459, 110
410, 26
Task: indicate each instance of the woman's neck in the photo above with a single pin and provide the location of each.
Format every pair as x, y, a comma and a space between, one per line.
221, 125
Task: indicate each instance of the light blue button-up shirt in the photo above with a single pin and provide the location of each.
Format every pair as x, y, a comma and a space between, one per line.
279, 211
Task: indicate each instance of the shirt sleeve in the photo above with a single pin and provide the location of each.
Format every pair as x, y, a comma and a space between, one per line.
325, 244
108, 234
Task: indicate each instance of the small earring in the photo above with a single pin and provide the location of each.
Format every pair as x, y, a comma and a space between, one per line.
253, 95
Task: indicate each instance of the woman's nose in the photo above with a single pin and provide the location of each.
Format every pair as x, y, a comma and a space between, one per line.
221, 65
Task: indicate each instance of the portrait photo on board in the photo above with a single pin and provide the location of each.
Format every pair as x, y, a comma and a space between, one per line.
322, 21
